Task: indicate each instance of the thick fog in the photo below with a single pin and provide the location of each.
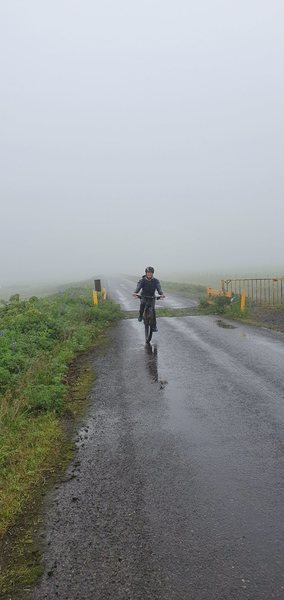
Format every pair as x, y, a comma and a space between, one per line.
137, 133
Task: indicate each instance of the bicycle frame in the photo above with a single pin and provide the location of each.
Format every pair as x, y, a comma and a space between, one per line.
148, 315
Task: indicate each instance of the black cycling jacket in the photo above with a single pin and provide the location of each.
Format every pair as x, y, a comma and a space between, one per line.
148, 286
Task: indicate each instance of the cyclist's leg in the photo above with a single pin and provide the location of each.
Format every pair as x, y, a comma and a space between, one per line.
154, 317
142, 308
154, 321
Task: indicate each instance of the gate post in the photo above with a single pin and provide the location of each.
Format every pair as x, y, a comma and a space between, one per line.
243, 300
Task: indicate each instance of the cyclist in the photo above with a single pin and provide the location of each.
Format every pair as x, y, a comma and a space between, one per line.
148, 284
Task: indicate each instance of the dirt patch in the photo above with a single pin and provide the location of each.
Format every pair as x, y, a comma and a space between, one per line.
271, 317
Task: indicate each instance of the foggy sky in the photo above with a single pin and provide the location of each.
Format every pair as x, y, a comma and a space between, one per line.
137, 133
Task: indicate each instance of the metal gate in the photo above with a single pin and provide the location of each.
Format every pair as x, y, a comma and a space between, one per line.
269, 291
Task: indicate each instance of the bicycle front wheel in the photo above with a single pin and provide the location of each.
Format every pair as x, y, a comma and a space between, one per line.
148, 333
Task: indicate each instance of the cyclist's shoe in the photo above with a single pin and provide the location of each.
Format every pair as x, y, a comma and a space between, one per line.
140, 319
155, 329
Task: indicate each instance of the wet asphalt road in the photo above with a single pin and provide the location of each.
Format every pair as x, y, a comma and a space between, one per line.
176, 492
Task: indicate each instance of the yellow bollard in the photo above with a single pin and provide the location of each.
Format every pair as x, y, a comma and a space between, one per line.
95, 297
104, 293
243, 300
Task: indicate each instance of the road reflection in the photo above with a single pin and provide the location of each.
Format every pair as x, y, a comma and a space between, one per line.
152, 361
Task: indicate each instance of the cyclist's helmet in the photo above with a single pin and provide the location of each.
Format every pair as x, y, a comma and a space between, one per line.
149, 270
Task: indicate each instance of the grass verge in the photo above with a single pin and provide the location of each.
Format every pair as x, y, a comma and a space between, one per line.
42, 390
20, 552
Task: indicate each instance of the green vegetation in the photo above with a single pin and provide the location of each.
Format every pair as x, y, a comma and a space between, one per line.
20, 562
221, 305
38, 340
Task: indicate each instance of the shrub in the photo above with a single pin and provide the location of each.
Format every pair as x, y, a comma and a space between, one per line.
203, 303
220, 303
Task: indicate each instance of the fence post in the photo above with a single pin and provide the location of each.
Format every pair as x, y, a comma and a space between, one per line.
243, 300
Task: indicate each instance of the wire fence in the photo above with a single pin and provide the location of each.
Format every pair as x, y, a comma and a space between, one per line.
269, 291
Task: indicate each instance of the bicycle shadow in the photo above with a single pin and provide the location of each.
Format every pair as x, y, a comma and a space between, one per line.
152, 364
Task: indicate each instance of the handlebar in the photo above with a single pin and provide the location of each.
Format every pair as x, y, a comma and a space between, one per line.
152, 297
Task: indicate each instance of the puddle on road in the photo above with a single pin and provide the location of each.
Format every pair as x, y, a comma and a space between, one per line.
224, 325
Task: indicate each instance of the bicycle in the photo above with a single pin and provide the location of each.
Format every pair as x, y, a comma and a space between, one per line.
148, 315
